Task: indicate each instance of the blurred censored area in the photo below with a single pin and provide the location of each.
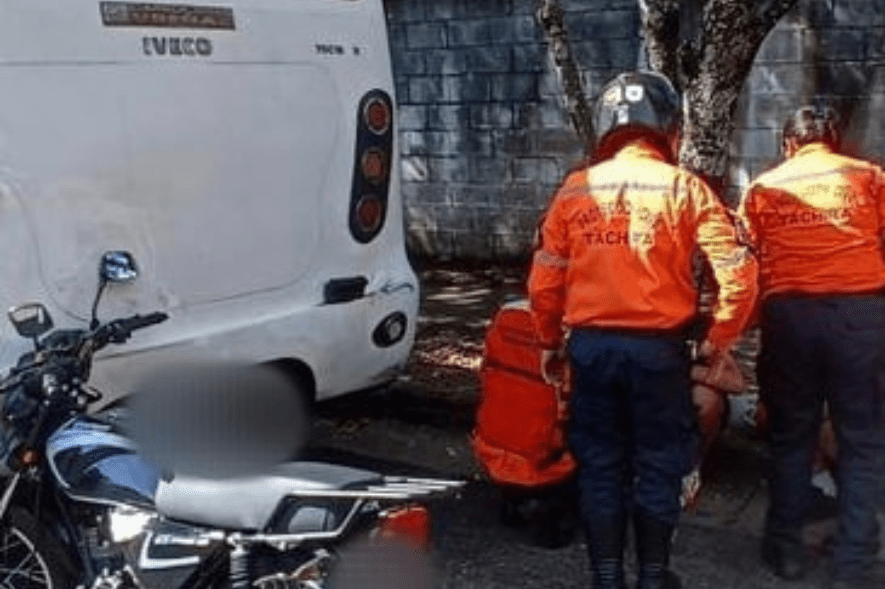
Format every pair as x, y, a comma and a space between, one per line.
218, 420
382, 564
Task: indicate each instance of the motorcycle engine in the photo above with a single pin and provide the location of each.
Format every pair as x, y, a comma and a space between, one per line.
305, 571
135, 548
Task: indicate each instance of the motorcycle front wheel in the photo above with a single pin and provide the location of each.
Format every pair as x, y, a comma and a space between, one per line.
28, 557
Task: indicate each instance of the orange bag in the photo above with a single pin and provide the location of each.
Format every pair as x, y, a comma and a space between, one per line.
520, 425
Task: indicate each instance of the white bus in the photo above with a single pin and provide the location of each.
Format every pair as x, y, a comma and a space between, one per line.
242, 151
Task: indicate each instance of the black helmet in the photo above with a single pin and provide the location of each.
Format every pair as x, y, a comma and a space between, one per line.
644, 102
811, 124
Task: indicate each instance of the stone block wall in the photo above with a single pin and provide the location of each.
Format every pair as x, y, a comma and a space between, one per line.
830, 48
482, 134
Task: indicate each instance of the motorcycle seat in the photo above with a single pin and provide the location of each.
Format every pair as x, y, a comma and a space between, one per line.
248, 503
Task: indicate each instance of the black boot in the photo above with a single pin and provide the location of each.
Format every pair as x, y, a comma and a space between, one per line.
653, 539
785, 556
605, 545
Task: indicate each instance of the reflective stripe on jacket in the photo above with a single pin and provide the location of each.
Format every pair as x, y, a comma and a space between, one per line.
816, 222
616, 251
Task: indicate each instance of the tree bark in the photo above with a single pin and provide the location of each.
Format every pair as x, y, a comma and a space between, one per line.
550, 17
708, 59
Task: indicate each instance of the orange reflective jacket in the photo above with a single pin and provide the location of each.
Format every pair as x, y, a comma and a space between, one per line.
616, 251
816, 221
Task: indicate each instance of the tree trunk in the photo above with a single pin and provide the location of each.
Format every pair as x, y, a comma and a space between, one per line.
707, 48
550, 17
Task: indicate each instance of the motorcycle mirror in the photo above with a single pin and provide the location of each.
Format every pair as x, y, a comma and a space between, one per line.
117, 266
31, 320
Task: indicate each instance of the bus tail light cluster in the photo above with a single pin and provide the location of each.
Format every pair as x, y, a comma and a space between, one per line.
371, 174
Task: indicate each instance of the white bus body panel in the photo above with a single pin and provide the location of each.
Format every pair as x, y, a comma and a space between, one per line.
226, 173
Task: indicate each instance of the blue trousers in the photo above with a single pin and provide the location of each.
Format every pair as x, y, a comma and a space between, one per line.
826, 350
632, 426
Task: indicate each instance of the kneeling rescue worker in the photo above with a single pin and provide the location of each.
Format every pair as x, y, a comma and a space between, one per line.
614, 270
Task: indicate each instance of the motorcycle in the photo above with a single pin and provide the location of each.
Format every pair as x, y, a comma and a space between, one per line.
81, 507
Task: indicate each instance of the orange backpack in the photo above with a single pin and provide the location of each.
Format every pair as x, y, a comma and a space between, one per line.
519, 435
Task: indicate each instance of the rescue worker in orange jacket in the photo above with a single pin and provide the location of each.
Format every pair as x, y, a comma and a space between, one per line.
614, 268
817, 221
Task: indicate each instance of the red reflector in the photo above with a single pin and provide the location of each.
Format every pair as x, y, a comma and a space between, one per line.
368, 213
28, 456
377, 115
407, 523
374, 166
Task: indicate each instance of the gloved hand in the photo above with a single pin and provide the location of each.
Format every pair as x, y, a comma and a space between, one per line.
718, 369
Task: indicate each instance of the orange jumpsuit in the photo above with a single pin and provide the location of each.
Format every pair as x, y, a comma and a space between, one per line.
616, 252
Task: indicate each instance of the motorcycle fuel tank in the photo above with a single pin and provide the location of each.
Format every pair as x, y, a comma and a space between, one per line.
94, 462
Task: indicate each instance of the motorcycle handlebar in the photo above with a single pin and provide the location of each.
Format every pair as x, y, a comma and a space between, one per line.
140, 321
119, 330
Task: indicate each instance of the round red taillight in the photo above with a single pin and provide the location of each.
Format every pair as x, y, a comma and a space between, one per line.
368, 213
377, 116
374, 165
